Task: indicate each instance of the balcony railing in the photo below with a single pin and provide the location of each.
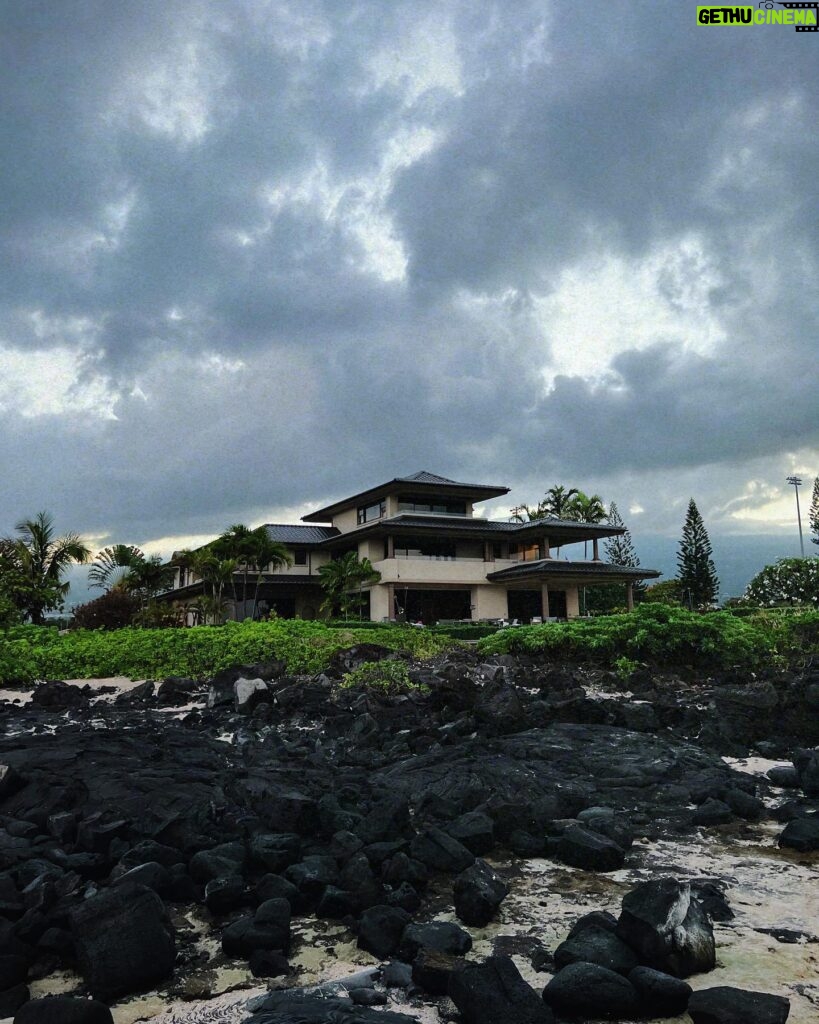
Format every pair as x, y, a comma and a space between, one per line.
439, 558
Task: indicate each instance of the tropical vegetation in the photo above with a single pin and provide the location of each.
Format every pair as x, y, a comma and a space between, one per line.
28, 653
33, 564
387, 677
343, 581
666, 637
618, 550
790, 581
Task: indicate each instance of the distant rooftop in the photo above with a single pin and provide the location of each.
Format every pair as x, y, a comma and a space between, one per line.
287, 533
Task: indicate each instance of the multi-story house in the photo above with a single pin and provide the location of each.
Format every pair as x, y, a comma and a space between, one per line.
436, 557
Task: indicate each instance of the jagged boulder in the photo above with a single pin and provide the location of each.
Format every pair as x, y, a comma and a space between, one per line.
801, 834
667, 928
478, 892
123, 939
589, 990
494, 991
596, 945
660, 994
380, 930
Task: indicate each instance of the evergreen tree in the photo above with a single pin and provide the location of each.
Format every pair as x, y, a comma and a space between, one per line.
697, 574
617, 551
813, 515
620, 550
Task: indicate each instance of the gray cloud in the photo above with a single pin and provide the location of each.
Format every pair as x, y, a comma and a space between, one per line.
297, 248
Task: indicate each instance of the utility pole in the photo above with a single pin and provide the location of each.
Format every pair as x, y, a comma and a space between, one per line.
796, 481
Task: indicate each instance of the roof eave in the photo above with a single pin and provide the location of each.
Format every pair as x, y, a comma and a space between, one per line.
480, 492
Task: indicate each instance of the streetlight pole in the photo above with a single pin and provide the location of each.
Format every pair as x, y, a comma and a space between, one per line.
796, 481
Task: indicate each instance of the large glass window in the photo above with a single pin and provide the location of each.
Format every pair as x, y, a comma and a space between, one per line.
437, 506
424, 547
368, 513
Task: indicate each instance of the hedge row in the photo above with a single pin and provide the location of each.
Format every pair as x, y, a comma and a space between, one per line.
29, 652
666, 636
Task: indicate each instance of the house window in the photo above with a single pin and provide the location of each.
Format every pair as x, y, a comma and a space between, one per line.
299, 557
368, 513
437, 506
424, 547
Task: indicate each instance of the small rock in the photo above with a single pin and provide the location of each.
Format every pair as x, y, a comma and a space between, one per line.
579, 847
801, 834
478, 892
380, 930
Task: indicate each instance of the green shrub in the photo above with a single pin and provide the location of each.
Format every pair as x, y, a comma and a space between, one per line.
387, 677
788, 581
28, 652
625, 666
112, 610
657, 634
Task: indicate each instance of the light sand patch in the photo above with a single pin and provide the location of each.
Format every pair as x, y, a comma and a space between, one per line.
121, 683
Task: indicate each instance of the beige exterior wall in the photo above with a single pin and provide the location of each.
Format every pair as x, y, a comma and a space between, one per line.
489, 602
346, 521
572, 602
372, 548
423, 570
314, 560
379, 602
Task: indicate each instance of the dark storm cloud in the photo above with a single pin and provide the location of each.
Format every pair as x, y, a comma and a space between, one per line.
194, 179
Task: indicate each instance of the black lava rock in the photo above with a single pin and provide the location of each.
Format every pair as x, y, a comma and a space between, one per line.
478, 892
123, 939
727, 1005
589, 990
494, 991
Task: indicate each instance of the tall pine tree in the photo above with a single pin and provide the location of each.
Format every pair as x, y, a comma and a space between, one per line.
697, 574
618, 551
813, 515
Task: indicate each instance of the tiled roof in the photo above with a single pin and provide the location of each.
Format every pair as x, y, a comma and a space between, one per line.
420, 479
286, 533
423, 477
555, 567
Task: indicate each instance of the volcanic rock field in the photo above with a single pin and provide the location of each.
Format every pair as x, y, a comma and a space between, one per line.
512, 842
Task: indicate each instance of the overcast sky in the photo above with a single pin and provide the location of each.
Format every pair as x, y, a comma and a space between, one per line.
259, 255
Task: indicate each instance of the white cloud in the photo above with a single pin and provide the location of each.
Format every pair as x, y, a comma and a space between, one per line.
61, 381
172, 93
608, 304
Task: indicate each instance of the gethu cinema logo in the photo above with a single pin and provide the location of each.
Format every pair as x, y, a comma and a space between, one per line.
803, 16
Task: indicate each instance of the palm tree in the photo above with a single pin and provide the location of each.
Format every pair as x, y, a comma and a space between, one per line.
587, 508
340, 577
148, 577
112, 564
236, 542
38, 561
558, 502
267, 556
